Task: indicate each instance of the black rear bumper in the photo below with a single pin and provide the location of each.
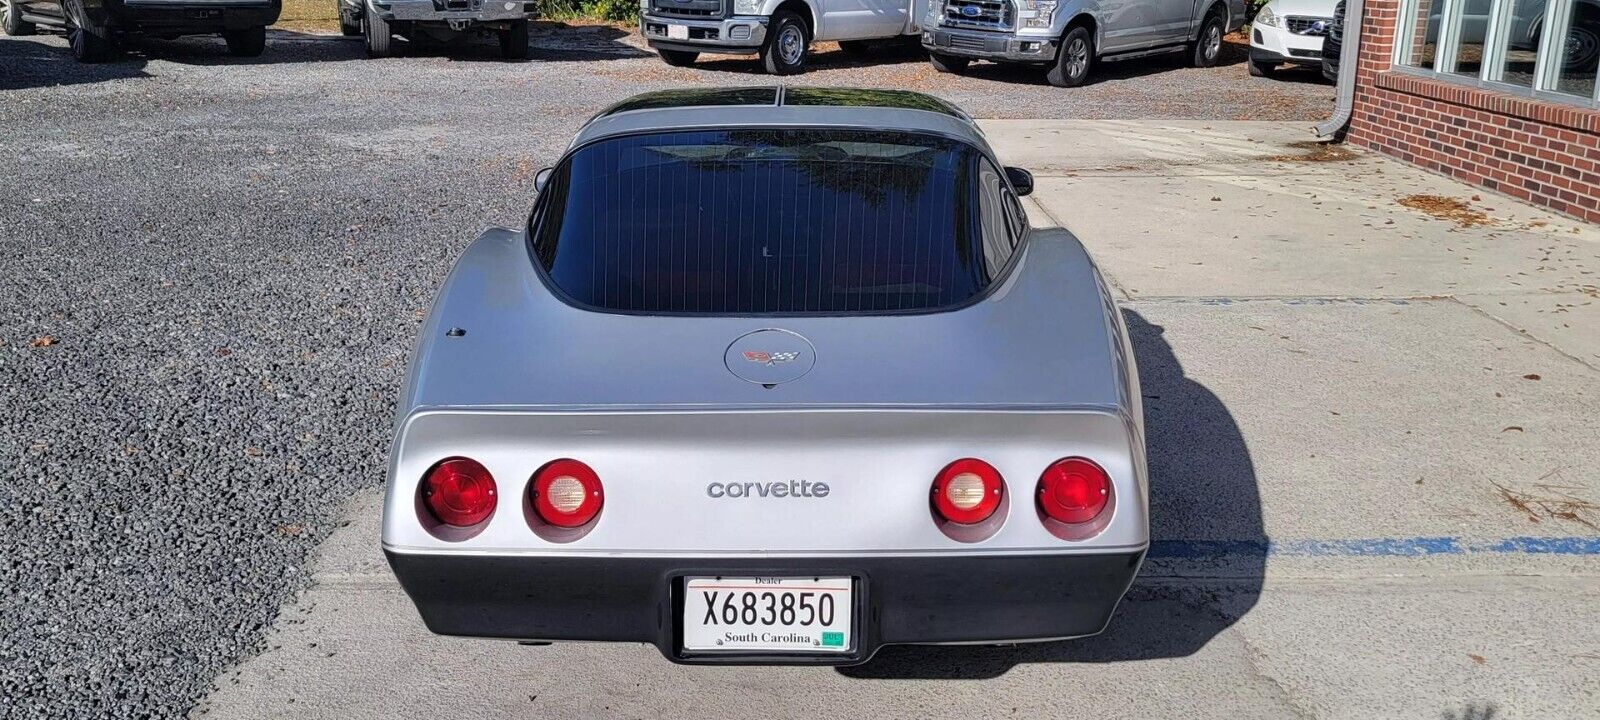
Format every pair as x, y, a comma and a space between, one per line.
186, 18
901, 600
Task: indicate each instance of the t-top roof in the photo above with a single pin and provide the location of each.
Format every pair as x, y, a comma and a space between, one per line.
785, 97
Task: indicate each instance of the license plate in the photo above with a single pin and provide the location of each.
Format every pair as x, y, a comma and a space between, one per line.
678, 32
768, 614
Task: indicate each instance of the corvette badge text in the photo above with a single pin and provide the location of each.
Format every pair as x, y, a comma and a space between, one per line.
792, 488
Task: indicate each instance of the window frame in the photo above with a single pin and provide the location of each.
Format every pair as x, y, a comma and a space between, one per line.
1547, 73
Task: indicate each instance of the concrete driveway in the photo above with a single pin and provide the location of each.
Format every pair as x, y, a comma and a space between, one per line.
1370, 398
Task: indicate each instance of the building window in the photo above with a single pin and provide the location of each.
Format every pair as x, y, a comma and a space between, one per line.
1518, 44
1420, 30
1577, 50
1543, 48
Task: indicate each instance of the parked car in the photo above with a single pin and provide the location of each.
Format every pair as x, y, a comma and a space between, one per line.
780, 31
96, 27
773, 375
1289, 31
379, 21
1333, 44
1069, 36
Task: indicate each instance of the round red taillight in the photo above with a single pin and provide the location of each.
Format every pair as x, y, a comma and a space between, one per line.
967, 491
566, 493
1074, 490
459, 492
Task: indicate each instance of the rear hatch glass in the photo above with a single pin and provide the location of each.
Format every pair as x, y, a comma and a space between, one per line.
770, 221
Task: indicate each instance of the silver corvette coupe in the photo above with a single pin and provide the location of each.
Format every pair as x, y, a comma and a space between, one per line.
774, 375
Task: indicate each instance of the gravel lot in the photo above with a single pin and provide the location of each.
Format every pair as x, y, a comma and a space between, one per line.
213, 272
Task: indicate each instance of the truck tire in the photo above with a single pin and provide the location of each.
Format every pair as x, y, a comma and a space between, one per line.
12, 23
678, 58
785, 50
1074, 60
250, 42
1262, 69
349, 26
948, 63
514, 41
856, 48
91, 45
1207, 46
1583, 42
379, 38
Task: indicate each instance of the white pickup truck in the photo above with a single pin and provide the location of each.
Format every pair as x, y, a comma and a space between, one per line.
1065, 36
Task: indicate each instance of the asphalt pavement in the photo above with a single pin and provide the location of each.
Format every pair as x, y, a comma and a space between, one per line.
215, 269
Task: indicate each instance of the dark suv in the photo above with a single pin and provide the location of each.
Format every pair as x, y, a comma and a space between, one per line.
1333, 44
94, 26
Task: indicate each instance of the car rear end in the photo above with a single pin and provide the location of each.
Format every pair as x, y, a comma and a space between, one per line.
185, 17
779, 397
754, 506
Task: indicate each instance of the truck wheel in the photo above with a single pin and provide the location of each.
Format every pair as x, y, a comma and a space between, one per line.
1262, 69
1207, 47
514, 41
948, 63
12, 23
1583, 43
1072, 63
856, 48
92, 45
250, 42
349, 26
678, 58
379, 38
785, 50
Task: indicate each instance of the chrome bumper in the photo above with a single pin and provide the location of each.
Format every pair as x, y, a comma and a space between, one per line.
479, 11
990, 45
738, 34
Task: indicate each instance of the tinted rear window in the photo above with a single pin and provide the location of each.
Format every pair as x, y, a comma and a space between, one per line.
769, 221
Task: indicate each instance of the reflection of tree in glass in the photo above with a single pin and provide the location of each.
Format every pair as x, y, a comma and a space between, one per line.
815, 154
696, 98
865, 97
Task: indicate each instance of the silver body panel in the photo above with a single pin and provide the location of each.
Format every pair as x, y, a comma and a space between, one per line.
1037, 369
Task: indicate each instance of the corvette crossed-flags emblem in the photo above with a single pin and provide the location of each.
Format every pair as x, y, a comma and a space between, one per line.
766, 358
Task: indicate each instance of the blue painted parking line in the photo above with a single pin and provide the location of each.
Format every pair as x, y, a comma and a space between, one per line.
1375, 547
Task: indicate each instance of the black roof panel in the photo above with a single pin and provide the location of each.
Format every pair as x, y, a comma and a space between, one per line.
791, 96
695, 98
865, 97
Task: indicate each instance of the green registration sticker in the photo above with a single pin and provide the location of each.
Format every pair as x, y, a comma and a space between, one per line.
833, 639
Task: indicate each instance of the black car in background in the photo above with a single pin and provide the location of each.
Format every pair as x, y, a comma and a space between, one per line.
1333, 44
95, 27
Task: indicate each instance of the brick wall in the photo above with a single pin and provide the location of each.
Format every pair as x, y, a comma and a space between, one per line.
1545, 153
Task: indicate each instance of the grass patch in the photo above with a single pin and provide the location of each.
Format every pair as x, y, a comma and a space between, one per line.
610, 10
309, 16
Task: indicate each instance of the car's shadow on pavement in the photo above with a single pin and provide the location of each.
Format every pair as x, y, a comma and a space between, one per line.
560, 42
29, 63
1204, 507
